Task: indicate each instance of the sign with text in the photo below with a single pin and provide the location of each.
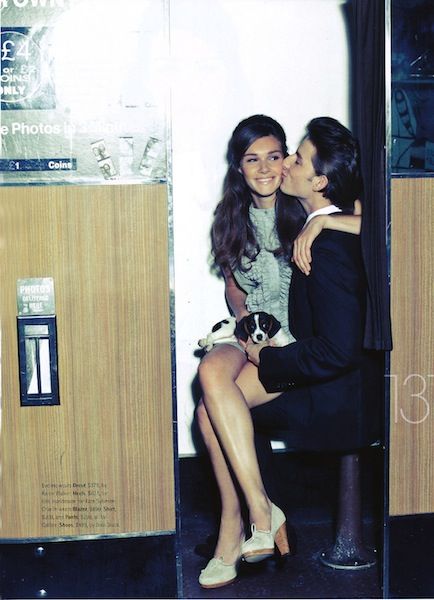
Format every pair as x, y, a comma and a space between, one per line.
35, 296
83, 91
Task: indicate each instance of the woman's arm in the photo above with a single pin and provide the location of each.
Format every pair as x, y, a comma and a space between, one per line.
235, 297
301, 254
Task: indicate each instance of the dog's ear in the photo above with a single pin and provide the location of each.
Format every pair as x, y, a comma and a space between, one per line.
264, 321
275, 326
240, 330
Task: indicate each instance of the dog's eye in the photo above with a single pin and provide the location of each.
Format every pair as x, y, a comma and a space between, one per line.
265, 324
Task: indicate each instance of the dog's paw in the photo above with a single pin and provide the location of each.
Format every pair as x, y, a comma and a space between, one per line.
205, 344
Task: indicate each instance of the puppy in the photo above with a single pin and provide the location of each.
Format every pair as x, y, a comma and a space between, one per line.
260, 327
222, 332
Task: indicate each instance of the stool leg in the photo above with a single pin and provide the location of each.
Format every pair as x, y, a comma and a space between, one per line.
348, 551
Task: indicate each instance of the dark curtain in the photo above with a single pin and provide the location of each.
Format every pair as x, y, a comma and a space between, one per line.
366, 20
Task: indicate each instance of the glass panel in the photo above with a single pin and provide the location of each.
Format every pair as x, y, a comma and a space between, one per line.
44, 359
32, 330
31, 367
412, 99
94, 131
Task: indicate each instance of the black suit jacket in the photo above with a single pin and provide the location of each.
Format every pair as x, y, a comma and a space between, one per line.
331, 384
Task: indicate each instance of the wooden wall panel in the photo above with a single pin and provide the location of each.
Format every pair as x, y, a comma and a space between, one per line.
412, 360
102, 461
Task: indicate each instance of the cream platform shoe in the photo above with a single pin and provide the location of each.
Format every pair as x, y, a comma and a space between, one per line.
217, 573
261, 545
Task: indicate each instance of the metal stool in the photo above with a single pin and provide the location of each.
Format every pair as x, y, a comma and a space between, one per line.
348, 551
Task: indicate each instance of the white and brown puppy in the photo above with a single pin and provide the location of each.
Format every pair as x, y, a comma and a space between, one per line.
260, 327
222, 332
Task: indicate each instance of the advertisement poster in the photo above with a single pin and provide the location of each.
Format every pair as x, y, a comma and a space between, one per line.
83, 91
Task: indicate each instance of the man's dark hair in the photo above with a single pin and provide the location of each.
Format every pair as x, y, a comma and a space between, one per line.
338, 157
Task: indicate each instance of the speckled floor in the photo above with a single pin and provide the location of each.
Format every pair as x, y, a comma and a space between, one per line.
308, 484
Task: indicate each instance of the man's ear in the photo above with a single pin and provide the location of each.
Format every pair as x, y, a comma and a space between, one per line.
319, 183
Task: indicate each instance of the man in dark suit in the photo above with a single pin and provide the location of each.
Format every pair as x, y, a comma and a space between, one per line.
327, 378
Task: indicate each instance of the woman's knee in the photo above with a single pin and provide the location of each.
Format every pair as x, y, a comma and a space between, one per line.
216, 369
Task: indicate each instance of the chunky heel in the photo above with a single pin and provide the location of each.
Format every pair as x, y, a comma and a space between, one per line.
261, 544
281, 540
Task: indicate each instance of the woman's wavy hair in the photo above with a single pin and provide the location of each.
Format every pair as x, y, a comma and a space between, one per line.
232, 233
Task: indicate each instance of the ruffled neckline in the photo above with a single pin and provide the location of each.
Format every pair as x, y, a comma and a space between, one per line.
270, 275
264, 220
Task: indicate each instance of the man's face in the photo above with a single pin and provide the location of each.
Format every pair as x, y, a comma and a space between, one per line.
299, 172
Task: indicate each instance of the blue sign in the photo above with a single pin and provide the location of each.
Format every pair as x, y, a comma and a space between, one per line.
10, 165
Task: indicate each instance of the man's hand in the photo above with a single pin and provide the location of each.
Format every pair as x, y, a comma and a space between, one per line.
253, 350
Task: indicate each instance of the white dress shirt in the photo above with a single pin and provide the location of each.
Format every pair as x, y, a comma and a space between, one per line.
325, 210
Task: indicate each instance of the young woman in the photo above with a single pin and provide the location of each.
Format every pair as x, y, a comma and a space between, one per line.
253, 232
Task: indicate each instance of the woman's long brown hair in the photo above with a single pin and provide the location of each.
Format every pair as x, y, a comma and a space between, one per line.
232, 233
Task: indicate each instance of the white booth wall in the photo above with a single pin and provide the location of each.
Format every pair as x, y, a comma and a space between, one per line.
230, 59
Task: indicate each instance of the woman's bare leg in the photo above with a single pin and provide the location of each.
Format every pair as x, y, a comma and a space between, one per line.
231, 529
228, 408
218, 372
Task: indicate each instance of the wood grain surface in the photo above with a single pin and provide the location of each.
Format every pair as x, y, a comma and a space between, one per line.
102, 461
412, 360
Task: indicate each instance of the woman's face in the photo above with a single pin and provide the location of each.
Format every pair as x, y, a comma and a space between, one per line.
261, 167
